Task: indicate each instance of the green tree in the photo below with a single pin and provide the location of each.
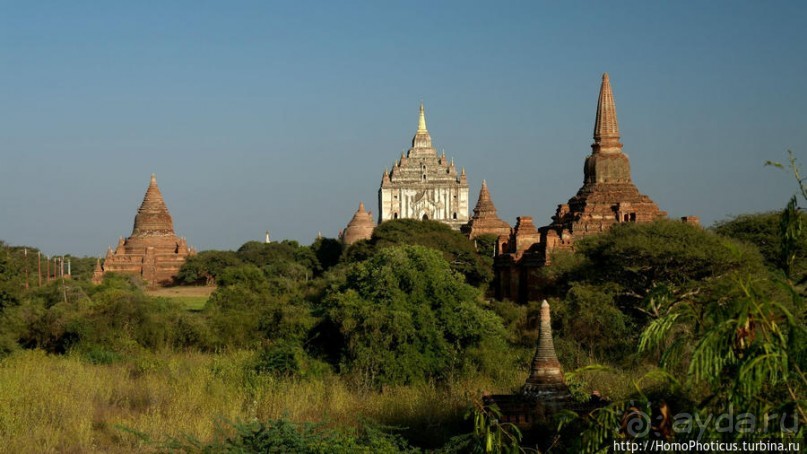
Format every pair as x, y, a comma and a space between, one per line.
11, 278
281, 259
458, 250
404, 316
328, 252
247, 310
206, 266
657, 264
764, 230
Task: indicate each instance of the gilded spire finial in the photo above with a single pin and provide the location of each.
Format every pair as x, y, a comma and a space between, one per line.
422, 118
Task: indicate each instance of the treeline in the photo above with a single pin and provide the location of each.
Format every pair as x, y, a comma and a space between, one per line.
385, 311
699, 320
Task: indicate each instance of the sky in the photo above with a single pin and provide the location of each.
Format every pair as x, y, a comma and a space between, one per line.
261, 115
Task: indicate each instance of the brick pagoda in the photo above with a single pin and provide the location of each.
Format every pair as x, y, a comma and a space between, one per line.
153, 251
360, 227
485, 221
608, 196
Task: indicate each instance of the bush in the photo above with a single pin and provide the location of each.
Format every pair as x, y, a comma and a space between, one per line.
285, 436
456, 249
289, 359
404, 316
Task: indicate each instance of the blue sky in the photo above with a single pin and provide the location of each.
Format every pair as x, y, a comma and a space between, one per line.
282, 115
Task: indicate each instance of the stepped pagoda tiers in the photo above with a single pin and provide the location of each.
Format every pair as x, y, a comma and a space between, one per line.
153, 251
485, 221
360, 227
608, 196
423, 185
544, 392
546, 377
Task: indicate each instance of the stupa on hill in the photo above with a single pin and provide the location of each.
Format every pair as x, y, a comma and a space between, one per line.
485, 221
153, 251
359, 228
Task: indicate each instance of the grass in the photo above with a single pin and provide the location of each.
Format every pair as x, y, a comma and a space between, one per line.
193, 298
62, 404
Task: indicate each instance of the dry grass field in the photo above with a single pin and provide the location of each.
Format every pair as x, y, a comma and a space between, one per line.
54, 403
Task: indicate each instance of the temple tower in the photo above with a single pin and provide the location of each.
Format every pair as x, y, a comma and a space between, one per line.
153, 251
423, 185
607, 197
485, 221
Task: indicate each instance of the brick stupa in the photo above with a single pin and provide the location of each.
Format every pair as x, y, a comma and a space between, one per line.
607, 197
485, 221
153, 251
360, 227
545, 391
546, 376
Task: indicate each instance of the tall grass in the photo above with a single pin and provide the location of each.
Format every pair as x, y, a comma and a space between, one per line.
63, 404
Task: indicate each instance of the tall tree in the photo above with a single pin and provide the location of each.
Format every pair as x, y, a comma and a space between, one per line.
404, 316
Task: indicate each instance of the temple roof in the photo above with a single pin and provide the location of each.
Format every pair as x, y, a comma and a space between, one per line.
361, 217
360, 227
606, 126
422, 142
484, 206
484, 220
152, 217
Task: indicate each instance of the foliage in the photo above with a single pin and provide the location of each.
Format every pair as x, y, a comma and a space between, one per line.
206, 266
10, 287
764, 230
248, 309
648, 266
288, 358
328, 252
282, 435
404, 316
737, 348
590, 316
489, 435
457, 250
81, 268
486, 244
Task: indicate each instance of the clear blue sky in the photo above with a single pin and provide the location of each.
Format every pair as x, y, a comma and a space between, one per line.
282, 115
